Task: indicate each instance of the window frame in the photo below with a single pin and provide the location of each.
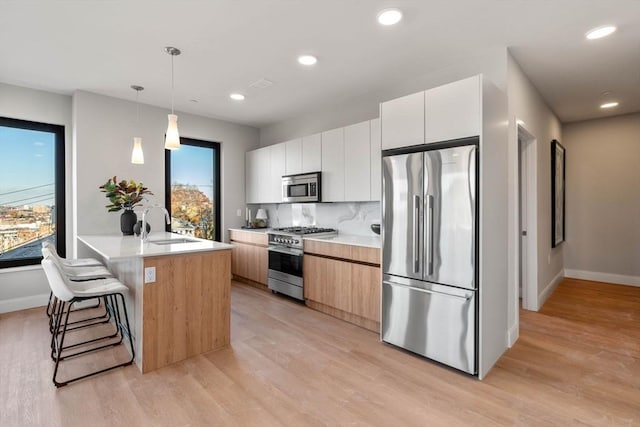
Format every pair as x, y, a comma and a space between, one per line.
216, 147
59, 176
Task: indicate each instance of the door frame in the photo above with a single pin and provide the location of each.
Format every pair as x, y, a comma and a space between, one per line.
527, 144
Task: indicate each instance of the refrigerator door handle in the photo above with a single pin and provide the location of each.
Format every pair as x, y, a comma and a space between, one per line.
429, 242
416, 237
428, 291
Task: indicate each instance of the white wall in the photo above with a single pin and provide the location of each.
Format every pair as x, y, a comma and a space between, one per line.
99, 138
27, 286
492, 63
104, 128
603, 199
526, 104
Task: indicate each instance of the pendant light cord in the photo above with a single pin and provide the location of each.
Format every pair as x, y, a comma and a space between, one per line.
137, 108
172, 89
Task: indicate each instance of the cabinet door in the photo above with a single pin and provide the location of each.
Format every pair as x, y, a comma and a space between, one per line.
312, 153
277, 170
257, 263
250, 178
453, 110
376, 160
327, 281
357, 160
402, 121
333, 165
260, 175
365, 291
293, 156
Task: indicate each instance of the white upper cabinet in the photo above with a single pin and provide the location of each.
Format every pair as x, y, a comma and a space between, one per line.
453, 110
376, 160
257, 175
357, 161
293, 156
276, 171
333, 165
312, 153
402, 121
251, 189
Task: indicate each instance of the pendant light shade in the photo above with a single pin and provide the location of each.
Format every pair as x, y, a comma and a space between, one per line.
172, 139
172, 136
137, 156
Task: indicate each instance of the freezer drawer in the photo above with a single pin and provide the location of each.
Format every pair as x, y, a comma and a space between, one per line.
436, 321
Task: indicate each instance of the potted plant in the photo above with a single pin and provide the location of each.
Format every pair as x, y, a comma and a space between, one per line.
124, 195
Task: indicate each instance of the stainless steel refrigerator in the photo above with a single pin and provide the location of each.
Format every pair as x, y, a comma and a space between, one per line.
430, 235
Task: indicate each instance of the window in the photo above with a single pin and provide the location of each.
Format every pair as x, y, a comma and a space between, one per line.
31, 190
193, 188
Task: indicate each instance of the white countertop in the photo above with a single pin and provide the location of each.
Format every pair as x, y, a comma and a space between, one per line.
350, 239
112, 246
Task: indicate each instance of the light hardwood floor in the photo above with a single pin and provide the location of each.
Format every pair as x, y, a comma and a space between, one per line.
577, 362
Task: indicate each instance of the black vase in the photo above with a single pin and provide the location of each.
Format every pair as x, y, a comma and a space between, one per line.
127, 221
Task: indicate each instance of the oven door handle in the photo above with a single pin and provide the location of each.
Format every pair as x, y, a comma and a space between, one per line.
287, 251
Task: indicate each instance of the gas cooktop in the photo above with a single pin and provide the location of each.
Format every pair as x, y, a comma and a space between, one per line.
303, 230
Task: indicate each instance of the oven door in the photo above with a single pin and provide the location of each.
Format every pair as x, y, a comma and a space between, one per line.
285, 271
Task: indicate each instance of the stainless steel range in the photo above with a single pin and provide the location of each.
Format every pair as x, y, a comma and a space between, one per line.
285, 258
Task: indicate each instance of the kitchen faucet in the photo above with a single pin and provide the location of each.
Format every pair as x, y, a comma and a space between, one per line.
143, 229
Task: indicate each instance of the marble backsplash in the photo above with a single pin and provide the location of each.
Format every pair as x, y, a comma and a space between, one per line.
348, 218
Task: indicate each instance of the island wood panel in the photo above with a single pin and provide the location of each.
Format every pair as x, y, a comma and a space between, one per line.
365, 291
191, 318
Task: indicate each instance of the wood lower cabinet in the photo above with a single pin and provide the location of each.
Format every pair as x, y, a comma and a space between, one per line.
249, 257
343, 281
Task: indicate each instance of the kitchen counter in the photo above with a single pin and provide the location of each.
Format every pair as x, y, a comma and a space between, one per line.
350, 239
113, 247
179, 292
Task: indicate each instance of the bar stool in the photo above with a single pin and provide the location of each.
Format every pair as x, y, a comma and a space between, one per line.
68, 294
76, 272
78, 262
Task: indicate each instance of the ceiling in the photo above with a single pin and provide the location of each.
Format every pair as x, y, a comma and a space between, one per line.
104, 46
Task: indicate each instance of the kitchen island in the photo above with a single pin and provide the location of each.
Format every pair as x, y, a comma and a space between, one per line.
179, 292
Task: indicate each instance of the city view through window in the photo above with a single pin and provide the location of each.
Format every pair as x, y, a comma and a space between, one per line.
27, 191
193, 190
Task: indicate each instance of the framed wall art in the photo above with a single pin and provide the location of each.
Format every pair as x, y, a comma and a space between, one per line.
557, 193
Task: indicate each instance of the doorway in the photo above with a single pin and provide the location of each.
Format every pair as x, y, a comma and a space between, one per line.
527, 219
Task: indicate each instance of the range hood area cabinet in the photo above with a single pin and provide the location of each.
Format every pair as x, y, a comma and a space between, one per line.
348, 157
469, 108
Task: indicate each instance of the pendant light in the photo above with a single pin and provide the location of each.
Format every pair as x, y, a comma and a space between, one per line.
137, 156
172, 138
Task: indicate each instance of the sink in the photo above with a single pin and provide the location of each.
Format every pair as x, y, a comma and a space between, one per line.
173, 241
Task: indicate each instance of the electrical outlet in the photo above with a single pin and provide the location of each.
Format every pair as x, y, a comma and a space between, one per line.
239, 212
549, 259
149, 274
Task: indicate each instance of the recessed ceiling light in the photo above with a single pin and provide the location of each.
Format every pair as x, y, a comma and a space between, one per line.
307, 59
600, 32
389, 16
609, 104
237, 96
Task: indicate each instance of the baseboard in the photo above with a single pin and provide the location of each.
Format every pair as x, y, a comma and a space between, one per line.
512, 335
16, 304
595, 276
548, 290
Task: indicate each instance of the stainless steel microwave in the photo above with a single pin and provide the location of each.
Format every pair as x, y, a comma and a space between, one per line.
301, 188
